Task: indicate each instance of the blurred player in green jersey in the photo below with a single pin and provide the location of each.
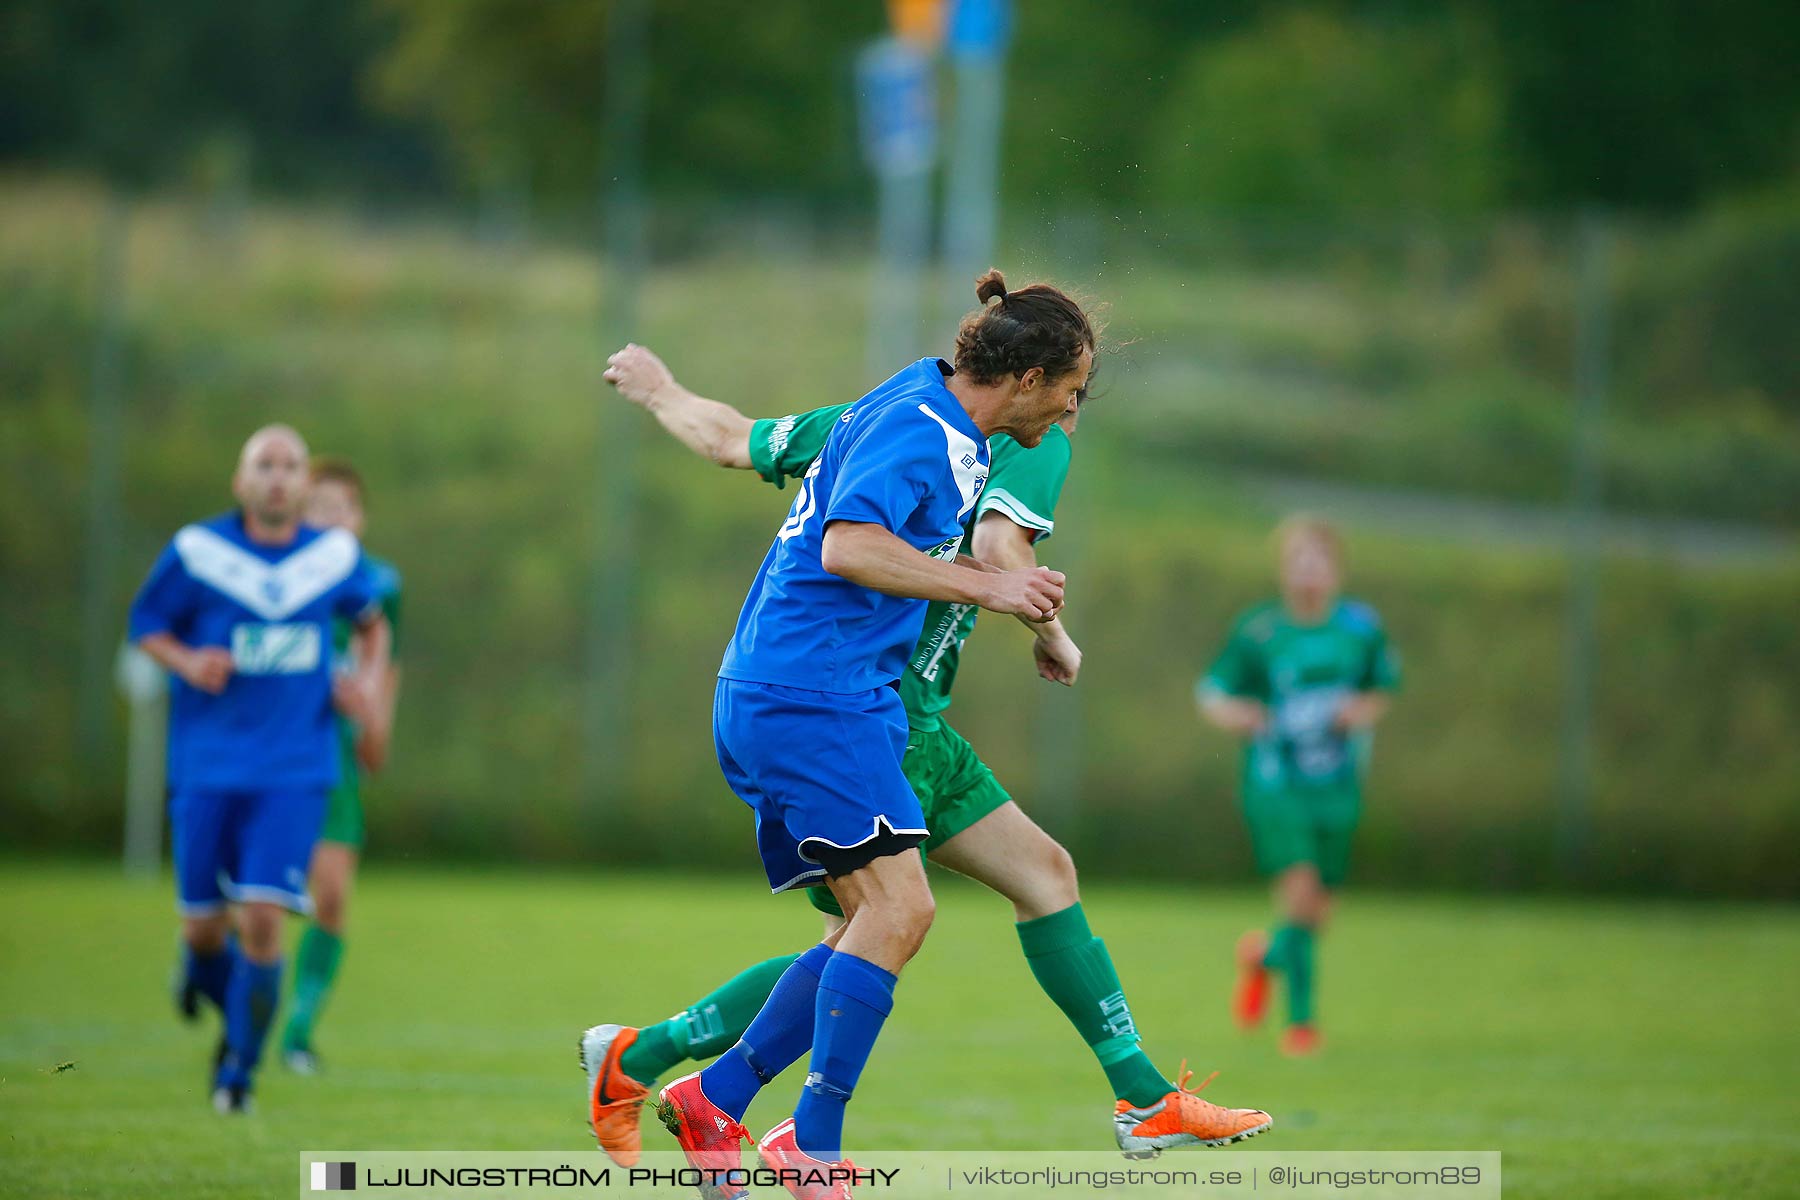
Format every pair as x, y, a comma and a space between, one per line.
335, 500
975, 827
1302, 680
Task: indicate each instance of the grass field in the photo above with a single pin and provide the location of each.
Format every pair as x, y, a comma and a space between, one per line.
1608, 1050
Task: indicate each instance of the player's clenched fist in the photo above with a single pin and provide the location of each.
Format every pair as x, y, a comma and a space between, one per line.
637, 373
208, 668
1035, 593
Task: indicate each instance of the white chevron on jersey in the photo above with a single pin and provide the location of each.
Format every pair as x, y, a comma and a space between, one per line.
965, 462
270, 590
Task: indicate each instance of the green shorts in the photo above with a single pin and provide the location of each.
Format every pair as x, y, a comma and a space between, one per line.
343, 811
1291, 827
955, 788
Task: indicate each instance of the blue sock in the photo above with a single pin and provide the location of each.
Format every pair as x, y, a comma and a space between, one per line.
855, 997
209, 974
250, 1002
776, 1037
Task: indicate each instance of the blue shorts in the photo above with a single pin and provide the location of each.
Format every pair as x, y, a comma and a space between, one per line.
822, 773
240, 847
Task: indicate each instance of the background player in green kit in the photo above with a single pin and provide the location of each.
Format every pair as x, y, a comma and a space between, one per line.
335, 500
1302, 680
975, 827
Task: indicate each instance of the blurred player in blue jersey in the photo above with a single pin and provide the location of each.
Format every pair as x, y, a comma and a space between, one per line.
238, 608
810, 727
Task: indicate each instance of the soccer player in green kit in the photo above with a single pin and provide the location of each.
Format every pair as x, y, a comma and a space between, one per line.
334, 499
1303, 680
975, 827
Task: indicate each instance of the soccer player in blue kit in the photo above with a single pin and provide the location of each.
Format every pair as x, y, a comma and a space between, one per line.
809, 726
238, 609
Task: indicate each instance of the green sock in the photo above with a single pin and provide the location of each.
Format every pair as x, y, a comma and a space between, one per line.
315, 966
712, 1025
1291, 952
1076, 972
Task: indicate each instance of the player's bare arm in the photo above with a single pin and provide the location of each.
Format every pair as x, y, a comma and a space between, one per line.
358, 694
710, 428
372, 741
874, 558
374, 735
1009, 546
1361, 710
205, 667
1237, 715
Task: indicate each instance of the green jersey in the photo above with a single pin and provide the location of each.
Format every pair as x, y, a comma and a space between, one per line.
1022, 485
343, 811
1303, 673
387, 587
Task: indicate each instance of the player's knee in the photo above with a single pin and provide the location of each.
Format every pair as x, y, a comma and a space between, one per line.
1059, 875
910, 919
205, 935
328, 909
259, 930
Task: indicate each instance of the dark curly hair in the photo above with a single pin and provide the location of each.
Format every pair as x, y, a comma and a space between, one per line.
1039, 325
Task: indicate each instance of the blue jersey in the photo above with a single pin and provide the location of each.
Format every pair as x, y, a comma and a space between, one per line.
905, 457
272, 607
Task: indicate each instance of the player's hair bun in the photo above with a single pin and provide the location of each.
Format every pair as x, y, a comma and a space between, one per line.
990, 286
1039, 325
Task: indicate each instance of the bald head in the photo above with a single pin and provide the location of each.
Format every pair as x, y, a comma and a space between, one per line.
270, 433
270, 482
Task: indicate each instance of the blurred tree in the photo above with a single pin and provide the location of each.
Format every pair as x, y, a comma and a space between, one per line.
1310, 113
149, 92
1631, 104
1649, 104
747, 101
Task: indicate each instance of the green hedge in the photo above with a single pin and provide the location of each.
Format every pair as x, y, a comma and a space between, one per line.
465, 382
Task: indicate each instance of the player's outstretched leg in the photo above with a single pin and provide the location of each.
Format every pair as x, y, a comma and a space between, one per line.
889, 909
204, 970
705, 1110
1008, 852
623, 1062
207, 949
1304, 901
1291, 953
1250, 999
320, 953
250, 1001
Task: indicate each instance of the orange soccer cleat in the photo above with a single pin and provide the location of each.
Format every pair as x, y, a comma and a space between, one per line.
1182, 1118
1301, 1041
1250, 1000
614, 1098
711, 1139
808, 1178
